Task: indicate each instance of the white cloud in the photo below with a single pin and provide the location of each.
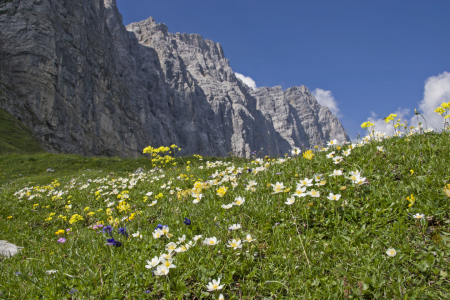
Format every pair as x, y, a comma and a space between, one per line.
437, 90
326, 98
380, 124
247, 80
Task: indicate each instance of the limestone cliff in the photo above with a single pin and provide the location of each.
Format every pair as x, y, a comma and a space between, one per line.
84, 83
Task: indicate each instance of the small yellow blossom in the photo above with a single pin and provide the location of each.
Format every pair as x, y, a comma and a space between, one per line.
308, 154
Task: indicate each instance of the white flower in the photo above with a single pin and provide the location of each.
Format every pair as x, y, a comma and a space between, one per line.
296, 151
359, 180
332, 143
380, 148
334, 197
235, 227
149, 194
336, 173
51, 272
167, 262
197, 197
137, 235
347, 152
214, 285
170, 247
235, 244
239, 201
337, 159
300, 192
318, 177
278, 187
165, 256
161, 270
197, 237
234, 184
227, 206
153, 263
322, 182
157, 233
290, 201
306, 182
391, 252
211, 241
314, 193
330, 155
221, 297
181, 239
419, 216
181, 249
153, 203
249, 238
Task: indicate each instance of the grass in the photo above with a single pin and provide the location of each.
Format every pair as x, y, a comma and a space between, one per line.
15, 138
313, 249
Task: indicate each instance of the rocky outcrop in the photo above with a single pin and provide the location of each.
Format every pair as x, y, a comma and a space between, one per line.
84, 83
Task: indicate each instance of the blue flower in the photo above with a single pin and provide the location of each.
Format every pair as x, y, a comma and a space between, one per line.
113, 242
187, 221
73, 291
249, 170
123, 231
159, 227
107, 229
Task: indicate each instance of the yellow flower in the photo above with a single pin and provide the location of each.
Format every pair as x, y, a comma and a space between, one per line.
222, 191
447, 190
10, 217
412, 172
86, 208
439, 110
159, 196
75, 218
123, 207
91, 213
61, 231
411, 200
308, 154
367, 124
343, 188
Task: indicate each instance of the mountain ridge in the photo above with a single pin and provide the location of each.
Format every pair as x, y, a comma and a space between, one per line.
98, 87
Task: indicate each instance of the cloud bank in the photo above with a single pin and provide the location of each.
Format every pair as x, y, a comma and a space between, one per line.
326, 98
247, 80
436, 91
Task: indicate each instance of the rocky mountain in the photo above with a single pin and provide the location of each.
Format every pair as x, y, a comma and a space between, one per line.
84, 83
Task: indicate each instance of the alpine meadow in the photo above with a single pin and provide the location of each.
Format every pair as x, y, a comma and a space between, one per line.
362, 220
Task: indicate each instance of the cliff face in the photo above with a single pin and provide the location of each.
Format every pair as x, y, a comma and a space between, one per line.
84, 83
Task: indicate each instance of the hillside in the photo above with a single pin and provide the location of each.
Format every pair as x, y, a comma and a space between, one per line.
15, 138
353, 221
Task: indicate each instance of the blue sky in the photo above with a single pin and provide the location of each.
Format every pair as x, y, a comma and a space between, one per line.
367, 56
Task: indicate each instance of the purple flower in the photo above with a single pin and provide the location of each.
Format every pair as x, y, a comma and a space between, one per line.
61, 240
113, 242
73, 291
147, 292
278, 173
18, 273
123, 231
159, 226
187, 221
108, 229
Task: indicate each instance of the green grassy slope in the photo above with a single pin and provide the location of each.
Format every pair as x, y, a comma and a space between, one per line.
314, 248
15, 138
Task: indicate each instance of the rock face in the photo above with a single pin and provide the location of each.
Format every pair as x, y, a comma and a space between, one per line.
84, 83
